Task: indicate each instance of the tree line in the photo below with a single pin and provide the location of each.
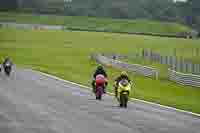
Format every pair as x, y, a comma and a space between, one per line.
163, 10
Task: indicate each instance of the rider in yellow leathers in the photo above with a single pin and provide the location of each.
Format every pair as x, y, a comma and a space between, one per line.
123, 75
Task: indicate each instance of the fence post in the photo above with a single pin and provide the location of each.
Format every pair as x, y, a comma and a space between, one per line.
181, 64
151, 55
198, 69
168, 60
147, 54
193, 68
185, 67
156, 75
157, 57
143, 54
177, 65
173, 62
144, 57
161, 59
164, 60
154, 57
189, 67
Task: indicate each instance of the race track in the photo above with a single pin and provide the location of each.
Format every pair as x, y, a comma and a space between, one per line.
34, 103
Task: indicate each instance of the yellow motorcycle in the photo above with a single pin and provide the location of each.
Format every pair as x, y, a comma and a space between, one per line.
123, 91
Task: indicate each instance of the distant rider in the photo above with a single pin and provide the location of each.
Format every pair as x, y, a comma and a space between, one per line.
99, 70
7, 60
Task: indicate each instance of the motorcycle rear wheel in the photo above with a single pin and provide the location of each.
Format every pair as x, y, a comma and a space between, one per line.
123, 100
98, 95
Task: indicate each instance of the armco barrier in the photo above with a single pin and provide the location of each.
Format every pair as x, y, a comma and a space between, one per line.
184, 79
143, 70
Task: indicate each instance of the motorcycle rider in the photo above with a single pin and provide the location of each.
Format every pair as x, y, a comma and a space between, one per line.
7, 60
123, 75
99, 70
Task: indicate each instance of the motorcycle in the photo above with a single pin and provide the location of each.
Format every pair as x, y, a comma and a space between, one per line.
99, 86
123, 90
7, 68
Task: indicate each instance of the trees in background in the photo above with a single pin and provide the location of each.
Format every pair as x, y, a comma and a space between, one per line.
164, 10
8, 5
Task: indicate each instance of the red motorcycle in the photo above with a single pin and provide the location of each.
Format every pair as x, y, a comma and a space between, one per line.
100, 82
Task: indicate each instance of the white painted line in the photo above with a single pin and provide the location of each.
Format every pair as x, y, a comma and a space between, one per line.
163, 106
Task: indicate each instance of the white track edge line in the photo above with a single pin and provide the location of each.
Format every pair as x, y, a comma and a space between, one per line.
164, 106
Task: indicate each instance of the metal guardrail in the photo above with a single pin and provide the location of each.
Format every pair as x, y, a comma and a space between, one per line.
184, 79
143, 70
180, 78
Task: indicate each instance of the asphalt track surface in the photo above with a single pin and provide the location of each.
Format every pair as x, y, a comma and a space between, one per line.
34, 103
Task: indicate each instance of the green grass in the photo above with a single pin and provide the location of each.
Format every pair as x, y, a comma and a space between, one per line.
66, 54
140, 25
